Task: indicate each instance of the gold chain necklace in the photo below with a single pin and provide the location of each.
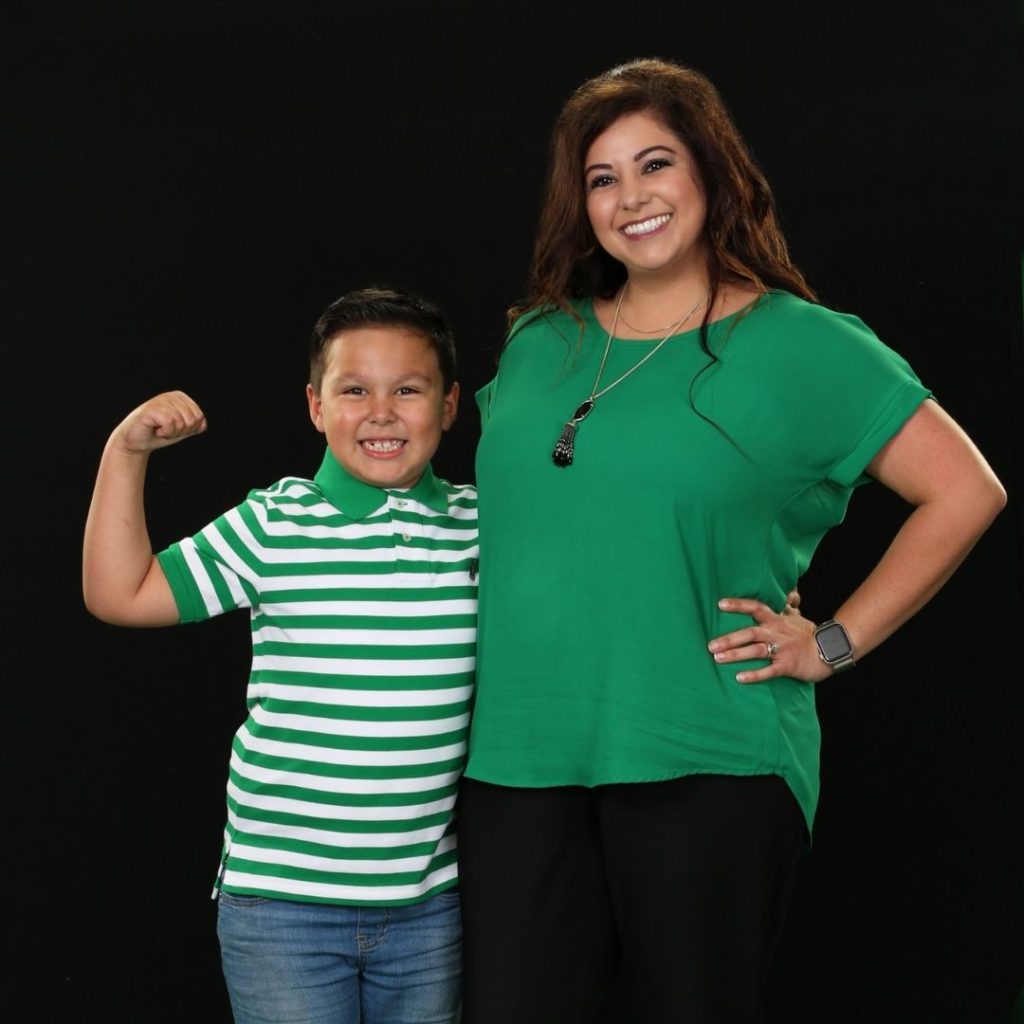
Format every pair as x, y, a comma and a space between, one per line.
643, 330
565, 446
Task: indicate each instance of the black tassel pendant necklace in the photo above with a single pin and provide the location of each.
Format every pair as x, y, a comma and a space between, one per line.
565, 447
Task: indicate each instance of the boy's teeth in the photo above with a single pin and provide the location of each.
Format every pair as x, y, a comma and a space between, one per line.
646, 225
383, 446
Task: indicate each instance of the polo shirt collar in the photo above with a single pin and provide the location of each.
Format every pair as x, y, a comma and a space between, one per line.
357, 499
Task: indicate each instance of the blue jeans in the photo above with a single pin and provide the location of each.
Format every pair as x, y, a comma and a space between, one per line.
315, 963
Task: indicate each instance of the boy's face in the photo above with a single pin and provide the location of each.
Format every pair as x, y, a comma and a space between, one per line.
382, 404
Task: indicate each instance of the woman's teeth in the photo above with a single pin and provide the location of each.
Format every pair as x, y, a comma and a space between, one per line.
644, 227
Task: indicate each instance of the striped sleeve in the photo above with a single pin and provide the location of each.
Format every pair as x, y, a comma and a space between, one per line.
218, 569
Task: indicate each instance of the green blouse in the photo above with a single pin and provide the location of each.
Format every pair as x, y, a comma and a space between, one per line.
599, 582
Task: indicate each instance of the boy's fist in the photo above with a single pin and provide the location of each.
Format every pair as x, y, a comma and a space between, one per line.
162, 421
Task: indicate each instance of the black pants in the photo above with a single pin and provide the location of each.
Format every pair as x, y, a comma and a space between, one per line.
639, 903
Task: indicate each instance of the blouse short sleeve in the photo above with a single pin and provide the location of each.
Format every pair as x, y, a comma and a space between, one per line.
896, 411
810, 388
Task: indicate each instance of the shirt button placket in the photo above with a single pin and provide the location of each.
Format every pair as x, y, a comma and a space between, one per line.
402, 503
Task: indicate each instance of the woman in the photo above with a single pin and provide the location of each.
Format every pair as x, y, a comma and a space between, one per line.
674, 420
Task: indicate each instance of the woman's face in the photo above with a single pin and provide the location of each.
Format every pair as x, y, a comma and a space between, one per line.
644, 198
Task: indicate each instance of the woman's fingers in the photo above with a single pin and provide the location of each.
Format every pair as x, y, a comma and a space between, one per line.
757, 610
745, 652
785, 641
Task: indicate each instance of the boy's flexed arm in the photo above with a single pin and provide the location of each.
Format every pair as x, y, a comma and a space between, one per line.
121, 579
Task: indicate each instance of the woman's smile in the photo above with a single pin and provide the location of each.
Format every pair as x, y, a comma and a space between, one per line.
644, 228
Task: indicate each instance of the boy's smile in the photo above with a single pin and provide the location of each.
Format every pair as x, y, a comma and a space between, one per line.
382, 404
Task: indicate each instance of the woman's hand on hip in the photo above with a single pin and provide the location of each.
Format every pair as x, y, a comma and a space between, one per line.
785, 639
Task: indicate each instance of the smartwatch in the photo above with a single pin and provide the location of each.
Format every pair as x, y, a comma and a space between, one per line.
834, 645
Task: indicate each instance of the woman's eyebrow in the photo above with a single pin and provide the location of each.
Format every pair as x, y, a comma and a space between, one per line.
651, 149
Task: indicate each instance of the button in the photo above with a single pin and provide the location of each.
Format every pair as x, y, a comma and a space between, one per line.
405, 537
401, 503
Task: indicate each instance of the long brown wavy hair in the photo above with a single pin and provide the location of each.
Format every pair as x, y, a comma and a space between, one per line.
742, 237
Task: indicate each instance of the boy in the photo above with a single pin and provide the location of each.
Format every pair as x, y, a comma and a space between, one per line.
337, 898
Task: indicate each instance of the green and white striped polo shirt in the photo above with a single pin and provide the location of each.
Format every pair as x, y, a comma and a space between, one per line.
343, 776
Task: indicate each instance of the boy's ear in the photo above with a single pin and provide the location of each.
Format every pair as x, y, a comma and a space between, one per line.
451, 407
316, 408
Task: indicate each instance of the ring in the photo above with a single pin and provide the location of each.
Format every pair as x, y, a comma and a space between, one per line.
772, 648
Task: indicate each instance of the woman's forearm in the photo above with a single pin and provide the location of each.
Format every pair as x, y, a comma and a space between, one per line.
931, 544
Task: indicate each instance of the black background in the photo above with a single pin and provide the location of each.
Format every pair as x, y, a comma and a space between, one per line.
192, 184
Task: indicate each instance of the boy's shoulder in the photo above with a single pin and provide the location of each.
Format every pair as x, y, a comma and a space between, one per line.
293, 498
289, 489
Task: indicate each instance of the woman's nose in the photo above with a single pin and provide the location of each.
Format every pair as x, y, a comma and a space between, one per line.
633, 194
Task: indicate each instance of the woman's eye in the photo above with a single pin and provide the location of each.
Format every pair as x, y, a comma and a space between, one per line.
408, 390
656, 164
354, 390
600, 181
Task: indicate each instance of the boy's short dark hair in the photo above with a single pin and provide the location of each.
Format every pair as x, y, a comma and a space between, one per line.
382, 307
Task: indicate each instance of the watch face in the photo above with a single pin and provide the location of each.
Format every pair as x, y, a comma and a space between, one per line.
833, 643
